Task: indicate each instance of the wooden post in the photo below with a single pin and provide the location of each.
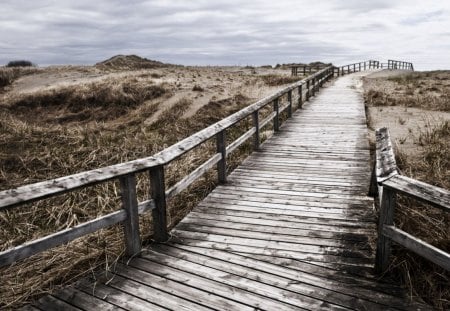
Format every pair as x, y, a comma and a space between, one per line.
131, 224
359, 67
276, 124
300, 96
354, 67
255, 117
307, 90
364, 65
387, 208
289, 109
158, 193
304, 70
222, 149
373, 187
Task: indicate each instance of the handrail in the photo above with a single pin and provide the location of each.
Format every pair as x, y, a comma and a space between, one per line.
305, 69
126, 173
387, 181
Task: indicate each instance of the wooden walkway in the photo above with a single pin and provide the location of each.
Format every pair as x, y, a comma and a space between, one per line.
293, 229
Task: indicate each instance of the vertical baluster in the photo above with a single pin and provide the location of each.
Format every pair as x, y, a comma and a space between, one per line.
158, 193
131, 224
255, 117
289, 109
300, 96
276, 124
222, 149
387, 208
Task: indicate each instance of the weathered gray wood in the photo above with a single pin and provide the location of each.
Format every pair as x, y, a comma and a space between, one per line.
27, 249
427, 193
300, 95
131, 223
50, 303
238, 142
221, 147
158, 194
84, 301
267, 120
387, 210
307, 90
418, 246
276, 119
193, 176
289, 112
385, 158
255, 119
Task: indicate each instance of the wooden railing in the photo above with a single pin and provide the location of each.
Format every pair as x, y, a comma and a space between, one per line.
356, 67
387, 182
400, 65
126, 174
304, 69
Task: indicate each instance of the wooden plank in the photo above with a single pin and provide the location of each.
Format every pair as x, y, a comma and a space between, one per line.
221, 294
28, 249
427, 193
84, 301
50, 303
241, 281
387, 209
238, 142
221, 148
123, 299
386, 165
193, 176
418, 246
310, 285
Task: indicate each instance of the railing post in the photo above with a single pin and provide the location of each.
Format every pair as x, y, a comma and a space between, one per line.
222, 149
304, 70
354, 67
131, 224
276, 124
373, 187
158, 193
364, 65
255, 117
307, 90
300, 96
387, 208
359, 67
289, 109
313, 86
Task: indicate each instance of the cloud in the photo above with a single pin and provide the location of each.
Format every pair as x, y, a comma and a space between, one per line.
225, 32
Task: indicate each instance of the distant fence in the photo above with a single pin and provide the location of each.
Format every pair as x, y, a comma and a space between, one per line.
387, 182
355, 67
154, 165
305, 69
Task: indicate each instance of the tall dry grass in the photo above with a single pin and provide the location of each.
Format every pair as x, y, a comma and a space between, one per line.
49, 146
431, 164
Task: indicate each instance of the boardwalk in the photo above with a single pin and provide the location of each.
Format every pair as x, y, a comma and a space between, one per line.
293, 229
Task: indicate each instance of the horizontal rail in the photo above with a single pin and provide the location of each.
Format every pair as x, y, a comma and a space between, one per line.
418, 246
387, 181
126, 173
37, 191
193, 176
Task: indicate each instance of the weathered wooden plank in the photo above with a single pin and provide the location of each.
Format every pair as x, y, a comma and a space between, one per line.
221, 148
242, 139
387, 209
435, 196
193, 176
50, 303
158, 194
222, 296
418, 246
28, 249
131, 223
84, 301
386, 165
123, 299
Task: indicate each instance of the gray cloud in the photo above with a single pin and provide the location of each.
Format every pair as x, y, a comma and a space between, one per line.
225, 32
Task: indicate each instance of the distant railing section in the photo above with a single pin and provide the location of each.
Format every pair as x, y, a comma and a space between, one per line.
154, 165
399, 65
387, 182
305, 69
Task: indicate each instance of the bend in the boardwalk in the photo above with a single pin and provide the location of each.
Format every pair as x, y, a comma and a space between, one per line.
293, 229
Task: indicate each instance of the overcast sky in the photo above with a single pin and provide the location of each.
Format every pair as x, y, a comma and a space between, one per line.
231, 32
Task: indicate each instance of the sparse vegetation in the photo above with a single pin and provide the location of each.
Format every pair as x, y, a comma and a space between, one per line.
429, 163
274, 80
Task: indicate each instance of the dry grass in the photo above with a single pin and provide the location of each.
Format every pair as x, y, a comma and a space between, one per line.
274, 80
431, 164
8, 75
427, 90
41, 142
